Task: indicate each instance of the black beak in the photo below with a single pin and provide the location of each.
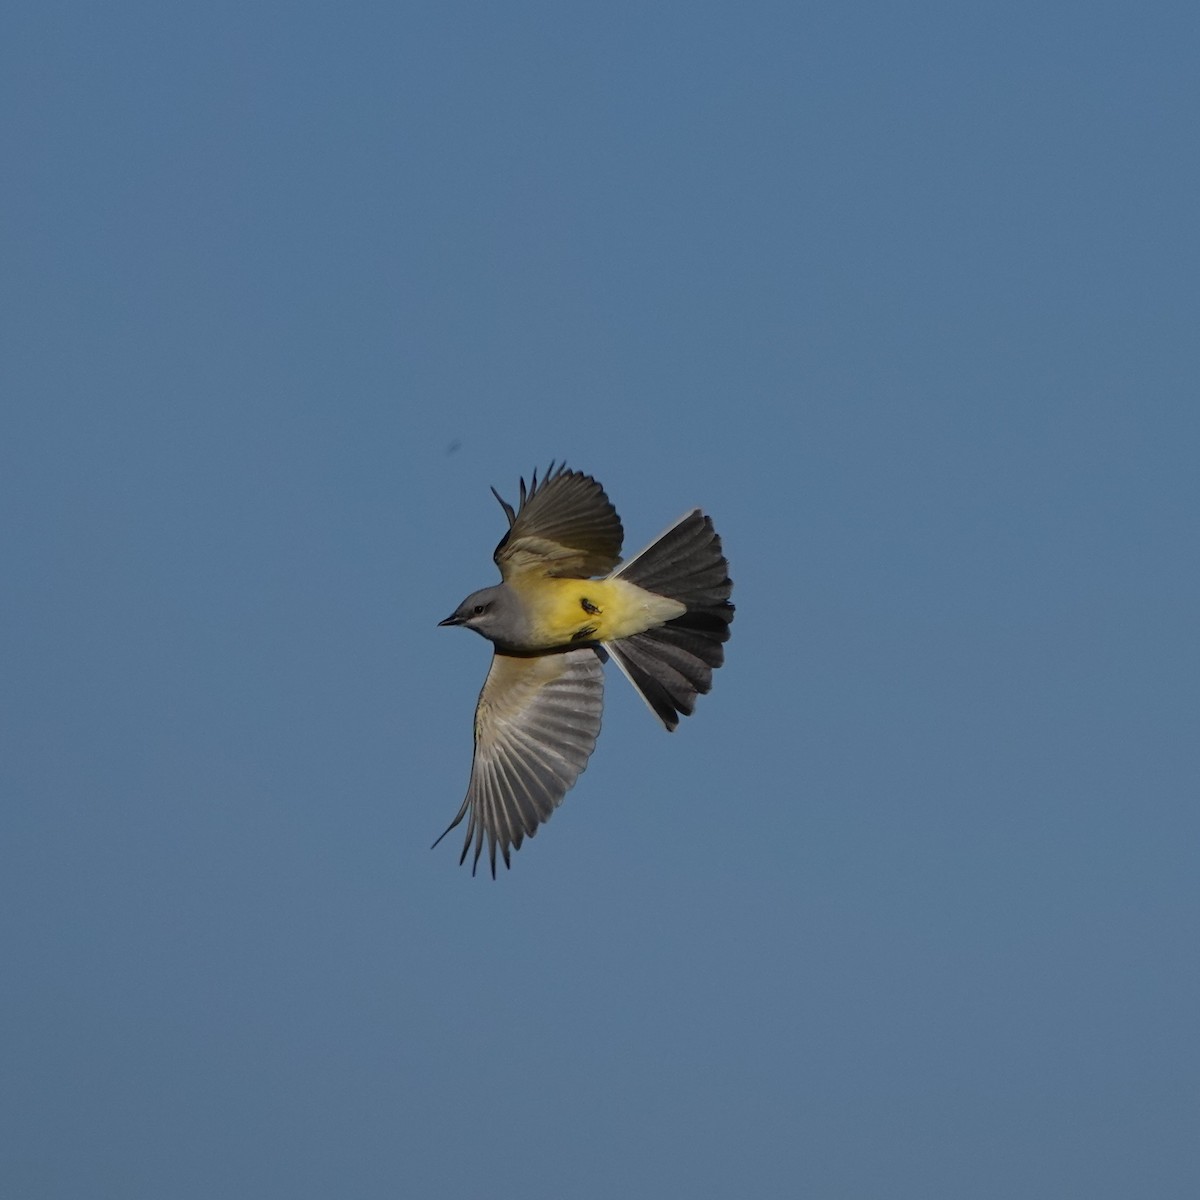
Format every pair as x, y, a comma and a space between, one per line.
453, 619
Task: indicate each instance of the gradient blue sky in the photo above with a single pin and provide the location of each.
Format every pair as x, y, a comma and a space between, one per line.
905, 295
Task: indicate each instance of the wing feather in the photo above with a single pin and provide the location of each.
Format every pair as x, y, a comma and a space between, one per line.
535, 728
564, 525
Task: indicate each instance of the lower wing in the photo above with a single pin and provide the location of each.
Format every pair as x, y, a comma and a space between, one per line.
535, 728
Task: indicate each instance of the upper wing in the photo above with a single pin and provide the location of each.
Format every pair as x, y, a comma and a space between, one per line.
535, 729
564, 525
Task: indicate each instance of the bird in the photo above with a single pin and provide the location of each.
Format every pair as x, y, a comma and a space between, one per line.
565, 605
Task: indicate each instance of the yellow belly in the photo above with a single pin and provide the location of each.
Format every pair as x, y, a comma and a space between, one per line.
566, 611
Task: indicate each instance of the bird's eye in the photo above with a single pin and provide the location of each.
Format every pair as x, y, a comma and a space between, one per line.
480, 609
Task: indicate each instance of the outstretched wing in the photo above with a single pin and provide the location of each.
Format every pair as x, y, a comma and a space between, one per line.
564, 525
535, 729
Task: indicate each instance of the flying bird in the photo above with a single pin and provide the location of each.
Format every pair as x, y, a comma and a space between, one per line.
662, 616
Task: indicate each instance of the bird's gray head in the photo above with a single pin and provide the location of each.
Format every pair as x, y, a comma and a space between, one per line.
496, 614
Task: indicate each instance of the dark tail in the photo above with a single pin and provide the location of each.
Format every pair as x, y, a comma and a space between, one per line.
672, 664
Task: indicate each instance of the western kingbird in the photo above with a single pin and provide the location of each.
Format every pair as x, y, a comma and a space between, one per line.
663, 616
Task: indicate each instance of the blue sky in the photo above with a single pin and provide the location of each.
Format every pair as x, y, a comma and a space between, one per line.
905, 296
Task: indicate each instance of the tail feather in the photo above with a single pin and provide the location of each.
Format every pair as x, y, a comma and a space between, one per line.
671, 664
